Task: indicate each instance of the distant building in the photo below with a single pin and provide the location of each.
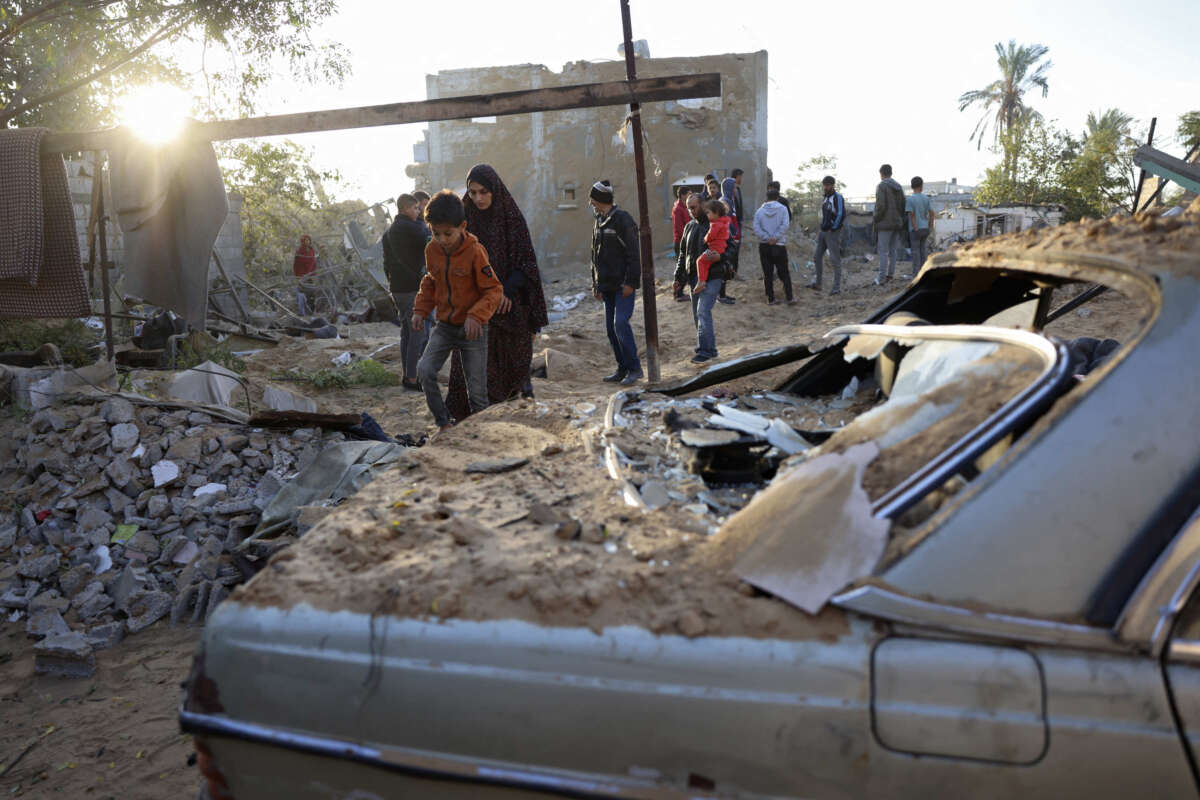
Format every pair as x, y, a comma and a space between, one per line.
966, 222
959, 219
549, 160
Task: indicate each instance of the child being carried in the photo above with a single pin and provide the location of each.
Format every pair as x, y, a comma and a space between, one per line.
717, 240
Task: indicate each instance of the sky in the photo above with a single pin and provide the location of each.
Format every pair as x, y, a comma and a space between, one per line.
866, 82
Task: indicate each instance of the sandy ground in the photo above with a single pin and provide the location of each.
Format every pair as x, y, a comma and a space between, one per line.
116, 735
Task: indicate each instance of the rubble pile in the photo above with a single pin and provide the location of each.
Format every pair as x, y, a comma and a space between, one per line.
121, 515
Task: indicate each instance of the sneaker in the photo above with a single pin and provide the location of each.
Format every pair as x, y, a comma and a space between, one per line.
632, 378
816, 287
412, 386
699, 359
792, 301
617, 376
681, 298
835, 291
726, 300
772, 302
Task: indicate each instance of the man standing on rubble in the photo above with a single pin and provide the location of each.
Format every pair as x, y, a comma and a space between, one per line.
404, 265
704, 295
889, 222
616, 270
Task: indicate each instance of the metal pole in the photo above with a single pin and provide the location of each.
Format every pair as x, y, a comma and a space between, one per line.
100, 220
649, 302
1137, 195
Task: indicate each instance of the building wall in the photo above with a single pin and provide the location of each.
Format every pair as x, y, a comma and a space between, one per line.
549, 160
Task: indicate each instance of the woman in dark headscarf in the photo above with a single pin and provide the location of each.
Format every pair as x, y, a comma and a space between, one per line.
493, 216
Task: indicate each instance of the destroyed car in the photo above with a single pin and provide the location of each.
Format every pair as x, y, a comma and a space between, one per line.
998, 599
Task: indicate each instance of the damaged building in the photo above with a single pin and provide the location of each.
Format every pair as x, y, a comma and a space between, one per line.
549, 160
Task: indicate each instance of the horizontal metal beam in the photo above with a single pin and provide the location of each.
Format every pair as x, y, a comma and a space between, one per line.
526, 101
1156, 162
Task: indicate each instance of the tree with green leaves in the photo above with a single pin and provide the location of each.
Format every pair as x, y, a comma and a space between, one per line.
65, 63
805, 196
1188, 131
1103, 173
285, 196
1003, 100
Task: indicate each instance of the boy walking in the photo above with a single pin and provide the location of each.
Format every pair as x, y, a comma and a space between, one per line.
460, 283
616, 272
404, 265
771, 223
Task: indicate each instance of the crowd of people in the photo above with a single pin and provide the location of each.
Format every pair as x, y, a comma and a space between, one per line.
465, 279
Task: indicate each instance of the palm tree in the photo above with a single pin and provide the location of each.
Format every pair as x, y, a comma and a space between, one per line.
1019, 72
1105, 128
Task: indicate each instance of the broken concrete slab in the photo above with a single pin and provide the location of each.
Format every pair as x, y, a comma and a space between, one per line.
52, 599
64, 655
116, 410
147, 610
45, 622
124, 436
105, 635
39, 567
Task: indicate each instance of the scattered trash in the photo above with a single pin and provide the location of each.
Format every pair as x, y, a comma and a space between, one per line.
343, 359
123, 533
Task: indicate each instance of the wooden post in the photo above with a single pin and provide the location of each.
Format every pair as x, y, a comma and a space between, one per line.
649, 300
526, 101
101, 218
1137, 193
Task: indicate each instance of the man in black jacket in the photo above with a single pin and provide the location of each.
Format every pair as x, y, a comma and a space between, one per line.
704, 295
616, 270
404, 265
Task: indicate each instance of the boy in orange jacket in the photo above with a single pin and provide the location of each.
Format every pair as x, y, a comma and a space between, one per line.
460, 283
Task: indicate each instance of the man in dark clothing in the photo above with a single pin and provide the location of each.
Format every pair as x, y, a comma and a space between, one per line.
889, 222
783, 201
704, 296
616, 271
833, 218
404, 265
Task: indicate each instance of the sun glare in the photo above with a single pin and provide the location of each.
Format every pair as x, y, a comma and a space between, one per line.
155, 113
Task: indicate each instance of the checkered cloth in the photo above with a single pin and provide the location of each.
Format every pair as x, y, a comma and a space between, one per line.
40, 271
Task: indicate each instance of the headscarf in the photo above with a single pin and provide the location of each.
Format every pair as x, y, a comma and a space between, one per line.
502, 231
729, 192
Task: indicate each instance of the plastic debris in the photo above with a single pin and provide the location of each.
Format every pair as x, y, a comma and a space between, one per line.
164, 472
123, 533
